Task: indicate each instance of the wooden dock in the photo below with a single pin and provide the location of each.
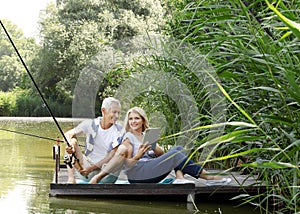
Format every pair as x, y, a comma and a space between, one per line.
240, 184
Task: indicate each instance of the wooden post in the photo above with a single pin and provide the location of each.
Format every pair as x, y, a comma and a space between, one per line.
56, 149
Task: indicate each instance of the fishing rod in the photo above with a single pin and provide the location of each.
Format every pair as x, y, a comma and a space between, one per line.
37, 88
31, 77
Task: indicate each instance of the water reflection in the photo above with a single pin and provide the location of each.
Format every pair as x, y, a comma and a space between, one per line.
27, 170
27, 167
114, 206
14, 201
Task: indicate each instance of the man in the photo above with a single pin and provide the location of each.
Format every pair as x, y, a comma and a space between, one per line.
102, 139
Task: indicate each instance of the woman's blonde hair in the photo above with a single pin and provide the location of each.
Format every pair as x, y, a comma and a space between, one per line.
142, 114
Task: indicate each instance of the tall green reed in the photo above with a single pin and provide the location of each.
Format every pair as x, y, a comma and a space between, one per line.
258, 67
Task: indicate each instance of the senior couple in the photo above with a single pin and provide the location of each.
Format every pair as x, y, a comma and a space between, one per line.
109, 149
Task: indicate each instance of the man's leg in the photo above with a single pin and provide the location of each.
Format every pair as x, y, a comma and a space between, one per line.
71, 176
79, 156
115, 164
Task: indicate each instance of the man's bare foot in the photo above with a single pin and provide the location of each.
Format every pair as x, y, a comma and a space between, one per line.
71, 181
93, 181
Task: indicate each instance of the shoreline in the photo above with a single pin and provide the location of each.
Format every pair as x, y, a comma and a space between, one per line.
42, 119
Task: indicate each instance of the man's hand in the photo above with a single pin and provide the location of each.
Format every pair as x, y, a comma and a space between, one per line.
70, 150
85, 172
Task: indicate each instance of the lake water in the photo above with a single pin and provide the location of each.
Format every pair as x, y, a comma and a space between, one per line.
27, 170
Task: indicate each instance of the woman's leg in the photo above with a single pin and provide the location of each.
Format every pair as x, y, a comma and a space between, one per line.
149, 180
189, 167
155, 170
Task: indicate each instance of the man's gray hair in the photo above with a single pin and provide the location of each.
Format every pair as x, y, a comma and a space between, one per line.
107, 102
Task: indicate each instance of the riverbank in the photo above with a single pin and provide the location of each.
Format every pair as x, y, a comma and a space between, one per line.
41, 119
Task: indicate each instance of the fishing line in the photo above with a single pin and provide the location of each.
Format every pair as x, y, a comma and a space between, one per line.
31, 77
37, 136
31, 135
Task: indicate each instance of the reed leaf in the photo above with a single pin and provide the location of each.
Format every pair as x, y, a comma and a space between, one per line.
236, 123
293, 26
272, 164
248, 152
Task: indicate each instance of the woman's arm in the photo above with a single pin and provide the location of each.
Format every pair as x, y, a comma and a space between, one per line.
131, 160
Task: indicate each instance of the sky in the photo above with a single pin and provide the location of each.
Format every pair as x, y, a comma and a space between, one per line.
23, 13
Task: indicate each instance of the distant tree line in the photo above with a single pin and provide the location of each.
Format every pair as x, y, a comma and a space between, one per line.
71, 32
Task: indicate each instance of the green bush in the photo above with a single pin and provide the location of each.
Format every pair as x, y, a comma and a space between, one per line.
7, 103
25, 104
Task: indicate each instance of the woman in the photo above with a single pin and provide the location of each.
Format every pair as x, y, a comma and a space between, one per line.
146, 165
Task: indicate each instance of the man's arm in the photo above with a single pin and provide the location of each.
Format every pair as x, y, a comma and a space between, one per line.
78, 130
72, 133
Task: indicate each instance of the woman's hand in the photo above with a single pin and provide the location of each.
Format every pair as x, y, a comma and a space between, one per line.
158, 150
143, 148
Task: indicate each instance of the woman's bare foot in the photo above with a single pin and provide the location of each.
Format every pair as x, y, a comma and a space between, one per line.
179, 174
212, 180
96, 178
180, 178
205, 175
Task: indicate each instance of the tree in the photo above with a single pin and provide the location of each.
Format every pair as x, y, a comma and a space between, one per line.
74, 31
11, 70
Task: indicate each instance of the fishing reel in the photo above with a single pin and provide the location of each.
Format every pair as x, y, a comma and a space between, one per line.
72, 160
68, 160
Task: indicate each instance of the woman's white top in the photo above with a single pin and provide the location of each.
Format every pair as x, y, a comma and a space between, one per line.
136, 143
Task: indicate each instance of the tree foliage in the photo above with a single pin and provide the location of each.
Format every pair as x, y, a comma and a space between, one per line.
12, 72
73, 31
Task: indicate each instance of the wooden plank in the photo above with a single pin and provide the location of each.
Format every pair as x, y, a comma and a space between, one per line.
240, 184
229, 189
120, 189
